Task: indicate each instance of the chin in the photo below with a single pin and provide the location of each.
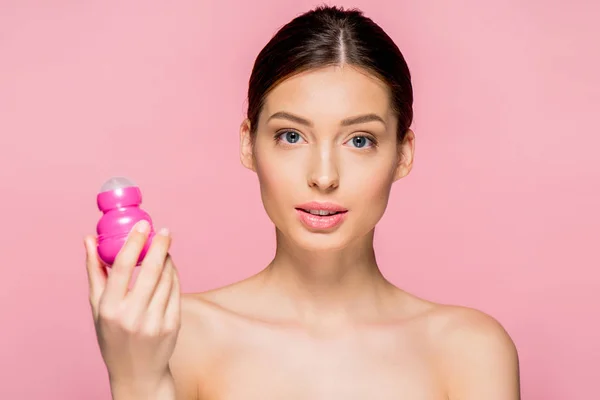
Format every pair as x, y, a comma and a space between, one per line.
320, 241
323, 246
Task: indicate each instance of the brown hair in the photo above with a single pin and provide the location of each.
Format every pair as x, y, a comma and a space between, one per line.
325, 36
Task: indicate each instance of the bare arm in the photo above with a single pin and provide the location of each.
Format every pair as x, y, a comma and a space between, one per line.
480, 359
180, 383
161, 390
137, 328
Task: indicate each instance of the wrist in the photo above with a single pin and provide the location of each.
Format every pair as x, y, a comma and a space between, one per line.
161, 388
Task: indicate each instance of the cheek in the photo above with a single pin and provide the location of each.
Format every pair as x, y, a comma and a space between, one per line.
370, 190
277, 177
375, 194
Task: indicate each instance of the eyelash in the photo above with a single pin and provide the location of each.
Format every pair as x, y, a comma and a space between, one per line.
278, 139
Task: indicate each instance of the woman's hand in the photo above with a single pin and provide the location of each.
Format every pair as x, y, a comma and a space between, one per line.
136, 329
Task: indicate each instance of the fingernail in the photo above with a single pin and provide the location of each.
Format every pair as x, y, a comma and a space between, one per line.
142, 226
163, 232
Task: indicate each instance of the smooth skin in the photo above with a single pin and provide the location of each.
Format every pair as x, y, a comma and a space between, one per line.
320, 321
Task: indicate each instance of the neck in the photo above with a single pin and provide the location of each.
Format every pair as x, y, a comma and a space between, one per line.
331, 286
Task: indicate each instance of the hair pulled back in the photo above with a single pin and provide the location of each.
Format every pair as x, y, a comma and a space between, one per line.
326, 36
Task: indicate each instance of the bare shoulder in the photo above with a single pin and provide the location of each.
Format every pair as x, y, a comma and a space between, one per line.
457, 326
198, 343
475, 354
209, 325
202, 326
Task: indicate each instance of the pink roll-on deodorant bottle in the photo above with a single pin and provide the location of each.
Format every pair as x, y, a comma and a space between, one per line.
119, 200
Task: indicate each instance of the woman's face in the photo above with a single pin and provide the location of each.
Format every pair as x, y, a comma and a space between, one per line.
327, 136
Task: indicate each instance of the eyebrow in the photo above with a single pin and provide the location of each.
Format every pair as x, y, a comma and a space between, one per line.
345, 122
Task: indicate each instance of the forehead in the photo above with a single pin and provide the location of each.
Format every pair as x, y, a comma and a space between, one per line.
331, 93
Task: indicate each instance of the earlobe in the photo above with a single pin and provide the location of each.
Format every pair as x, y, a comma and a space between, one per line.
246, 150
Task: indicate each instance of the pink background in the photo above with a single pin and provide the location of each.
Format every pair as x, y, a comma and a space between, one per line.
500, 212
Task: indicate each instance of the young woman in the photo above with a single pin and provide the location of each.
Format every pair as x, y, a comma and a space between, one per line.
327, 133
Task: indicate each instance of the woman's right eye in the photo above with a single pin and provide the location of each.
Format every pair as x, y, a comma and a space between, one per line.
289, 137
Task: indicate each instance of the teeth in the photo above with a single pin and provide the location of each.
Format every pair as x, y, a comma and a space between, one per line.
321, 212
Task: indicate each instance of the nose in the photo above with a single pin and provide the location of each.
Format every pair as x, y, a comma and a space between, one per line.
323, 171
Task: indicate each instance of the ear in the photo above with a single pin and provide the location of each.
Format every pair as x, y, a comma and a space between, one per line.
246, 148
406, 154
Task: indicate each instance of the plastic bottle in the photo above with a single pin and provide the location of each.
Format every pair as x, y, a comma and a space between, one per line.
119, 200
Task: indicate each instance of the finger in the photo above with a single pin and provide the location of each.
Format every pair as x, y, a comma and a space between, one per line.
160, 298
96, 271
125, 261
173, 311
151, 269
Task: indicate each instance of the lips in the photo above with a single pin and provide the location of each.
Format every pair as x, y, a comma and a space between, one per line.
318, 206
321, 216
317, 212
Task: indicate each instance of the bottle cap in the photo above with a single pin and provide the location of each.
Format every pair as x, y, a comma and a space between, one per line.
118, 192
117, 182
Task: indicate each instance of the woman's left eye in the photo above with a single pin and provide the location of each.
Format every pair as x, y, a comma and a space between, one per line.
361, 142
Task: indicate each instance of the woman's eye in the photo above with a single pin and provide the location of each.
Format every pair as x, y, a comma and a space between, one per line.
289, 137
361, 142
293, 137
